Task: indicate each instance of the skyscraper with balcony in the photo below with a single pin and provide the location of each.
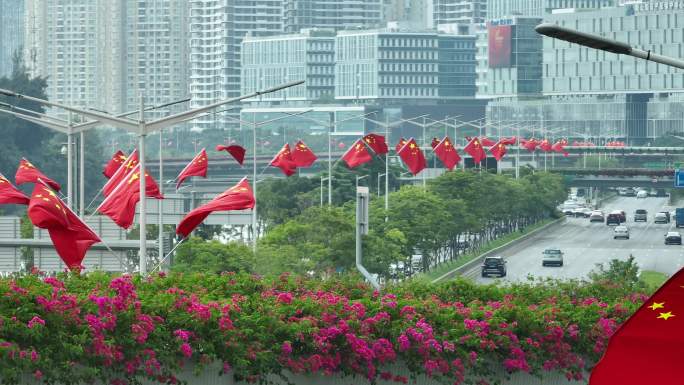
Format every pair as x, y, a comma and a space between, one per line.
217, 28
334, 14
459, 11
498, 9
11, 33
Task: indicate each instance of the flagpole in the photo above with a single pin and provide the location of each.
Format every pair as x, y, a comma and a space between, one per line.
254, 176
143, 192
161, 192
81, 194
387, 139
70, 164
331, 128
167, 255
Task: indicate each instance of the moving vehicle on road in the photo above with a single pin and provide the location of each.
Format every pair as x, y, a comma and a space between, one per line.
673, 238
661, 193
614, 218
552, 256
582, 212
494, 265
629, 192
621, 232
640, 215
596, 216
642, 194
661, 218
679, 217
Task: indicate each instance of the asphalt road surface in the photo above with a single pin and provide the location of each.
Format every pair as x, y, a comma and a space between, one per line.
585, 244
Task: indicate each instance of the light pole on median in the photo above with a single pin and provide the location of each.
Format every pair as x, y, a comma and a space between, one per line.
143, 128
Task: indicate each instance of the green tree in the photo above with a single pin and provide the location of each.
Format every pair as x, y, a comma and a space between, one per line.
198, 255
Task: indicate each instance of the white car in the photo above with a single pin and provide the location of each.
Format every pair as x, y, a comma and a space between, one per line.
642, 194
621, 232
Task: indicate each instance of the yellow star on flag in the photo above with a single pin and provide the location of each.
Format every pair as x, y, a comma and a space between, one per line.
657, 305
665, 316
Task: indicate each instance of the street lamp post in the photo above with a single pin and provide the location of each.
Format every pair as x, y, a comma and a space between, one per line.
143, 128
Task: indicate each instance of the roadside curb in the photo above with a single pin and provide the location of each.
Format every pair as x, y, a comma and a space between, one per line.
476, 261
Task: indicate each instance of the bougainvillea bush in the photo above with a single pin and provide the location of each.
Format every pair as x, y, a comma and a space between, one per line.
119, 329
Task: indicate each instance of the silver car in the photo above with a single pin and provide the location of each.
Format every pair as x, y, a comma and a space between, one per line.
552, 256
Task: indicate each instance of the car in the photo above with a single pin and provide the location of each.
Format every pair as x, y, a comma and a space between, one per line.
629, 192
673, 238
653, 193
660, 193
621, 232
582, 212
623, 216
640, 215
642, 194
596, 216
614, 218
661, 218
569, 210
494, 265
552, 256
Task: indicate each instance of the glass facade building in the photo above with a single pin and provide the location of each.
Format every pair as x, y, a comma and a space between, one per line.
11, 33
334, 14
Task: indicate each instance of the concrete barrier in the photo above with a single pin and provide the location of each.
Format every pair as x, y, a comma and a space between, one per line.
478, 261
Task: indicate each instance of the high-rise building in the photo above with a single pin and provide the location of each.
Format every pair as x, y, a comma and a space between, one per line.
410, 14
11, 33
498, 9
459, 11
156, 60
217, 28
309, 55
335, 14
429, 14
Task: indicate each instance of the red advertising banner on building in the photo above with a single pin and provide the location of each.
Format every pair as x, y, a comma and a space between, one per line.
499, 46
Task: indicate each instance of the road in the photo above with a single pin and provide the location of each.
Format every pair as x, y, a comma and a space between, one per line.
585, 244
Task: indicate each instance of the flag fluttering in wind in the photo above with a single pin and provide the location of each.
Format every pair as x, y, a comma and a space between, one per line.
509, 141
412, 156
559, 146
445, 151
486, 142
498, 150
117, 160
197, 167
121, 173
434, 143
357, 155
646, 349
120, 204
283, 160
530, 144
376, 143
475, 150
238, 197
302, 156
399, 145
10, 195
238, 152
545, 145
70, 235
28, 173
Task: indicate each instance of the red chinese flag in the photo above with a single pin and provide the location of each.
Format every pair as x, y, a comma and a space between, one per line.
530, 145
545, 145
434, 143
71, 237
121, 173
238, 152
120, 204
446, 152
283, 160
485, 141
357, 155
28, 173
238, 197
475, 150
197, 167
399, 145
559, 147
412, 156
117, 160
498, 150
10, 195
647, 348
508, 141
302, 155
376, 143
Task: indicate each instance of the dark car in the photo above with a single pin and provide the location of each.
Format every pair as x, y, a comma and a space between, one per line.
640, 215
614, 218
673, 238
494, 265
661, 193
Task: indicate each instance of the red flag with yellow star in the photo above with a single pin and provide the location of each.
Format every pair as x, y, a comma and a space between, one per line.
120, 204
302, 156
530, 144
545, 145
445, 151
121, 173
475, 150
485, 141
376, 143
197, 167
117, 160
498, 150
283, 160
28, 173
237, 152
357, 155
238, 197
10, 195
559, 146
412, 155
70, 235
647, 348
399, 145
